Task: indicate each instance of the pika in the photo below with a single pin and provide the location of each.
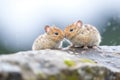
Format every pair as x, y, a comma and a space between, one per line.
82, 35
51, 39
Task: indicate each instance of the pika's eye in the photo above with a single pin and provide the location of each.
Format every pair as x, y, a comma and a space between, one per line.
56, 33
71, 30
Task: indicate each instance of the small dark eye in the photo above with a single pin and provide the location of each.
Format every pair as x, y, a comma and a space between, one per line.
71, 30
56, 33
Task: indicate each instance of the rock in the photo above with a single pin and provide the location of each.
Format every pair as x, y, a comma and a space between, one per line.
67, 64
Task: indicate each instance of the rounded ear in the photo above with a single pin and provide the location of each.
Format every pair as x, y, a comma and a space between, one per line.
79, 23
47, 28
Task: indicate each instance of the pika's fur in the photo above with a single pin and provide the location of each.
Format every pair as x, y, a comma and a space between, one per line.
82, 35
49, 40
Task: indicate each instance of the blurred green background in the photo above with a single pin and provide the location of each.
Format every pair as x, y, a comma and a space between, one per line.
21, 21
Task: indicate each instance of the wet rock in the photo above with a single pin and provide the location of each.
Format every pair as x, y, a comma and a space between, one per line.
67, 64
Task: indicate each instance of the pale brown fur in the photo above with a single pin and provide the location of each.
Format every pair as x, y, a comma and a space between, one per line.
82, 35
49, 40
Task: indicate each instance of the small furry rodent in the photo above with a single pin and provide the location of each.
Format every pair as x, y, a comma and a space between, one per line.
49, 40
82, 35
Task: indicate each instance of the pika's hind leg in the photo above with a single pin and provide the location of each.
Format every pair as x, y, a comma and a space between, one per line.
94, 47
72, 46
85, 47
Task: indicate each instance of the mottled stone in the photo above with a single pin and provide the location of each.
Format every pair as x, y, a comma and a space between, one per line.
66, 64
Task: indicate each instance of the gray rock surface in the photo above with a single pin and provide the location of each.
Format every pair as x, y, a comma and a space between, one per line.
67, 64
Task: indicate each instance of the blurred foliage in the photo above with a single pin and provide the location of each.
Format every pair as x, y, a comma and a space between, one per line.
4, 50
65, 43
111, 36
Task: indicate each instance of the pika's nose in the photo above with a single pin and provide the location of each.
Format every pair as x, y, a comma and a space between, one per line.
64, 35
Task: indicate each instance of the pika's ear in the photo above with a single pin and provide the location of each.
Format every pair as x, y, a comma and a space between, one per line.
47, 28
79, 23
